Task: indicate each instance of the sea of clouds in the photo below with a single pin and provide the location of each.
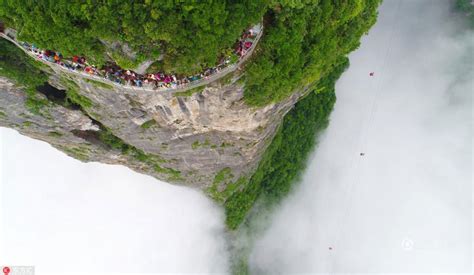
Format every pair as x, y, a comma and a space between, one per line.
61, 215
406, 205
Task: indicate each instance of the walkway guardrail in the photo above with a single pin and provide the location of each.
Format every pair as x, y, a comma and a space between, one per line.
181, 88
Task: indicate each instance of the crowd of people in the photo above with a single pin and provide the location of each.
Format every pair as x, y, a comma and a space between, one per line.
159, 80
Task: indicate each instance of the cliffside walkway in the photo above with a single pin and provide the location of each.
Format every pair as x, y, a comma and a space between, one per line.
10, 35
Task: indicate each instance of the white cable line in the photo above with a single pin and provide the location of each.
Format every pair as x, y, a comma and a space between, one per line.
362, 141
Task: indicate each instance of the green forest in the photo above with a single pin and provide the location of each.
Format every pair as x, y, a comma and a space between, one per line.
303, 39
191, 34
467, 8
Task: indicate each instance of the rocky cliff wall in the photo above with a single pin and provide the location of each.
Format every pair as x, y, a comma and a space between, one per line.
185, 138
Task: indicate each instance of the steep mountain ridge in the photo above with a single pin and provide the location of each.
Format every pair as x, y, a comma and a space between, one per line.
194, 136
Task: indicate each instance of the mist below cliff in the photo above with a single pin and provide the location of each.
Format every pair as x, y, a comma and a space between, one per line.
405, 206
61, 215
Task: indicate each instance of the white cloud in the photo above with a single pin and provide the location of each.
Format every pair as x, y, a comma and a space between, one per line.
406, 206
61, 215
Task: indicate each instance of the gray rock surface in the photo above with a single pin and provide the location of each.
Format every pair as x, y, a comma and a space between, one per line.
195, 135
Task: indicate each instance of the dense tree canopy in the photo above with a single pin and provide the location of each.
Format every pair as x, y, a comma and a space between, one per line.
303, 43
466, 6
191, 34
302, 40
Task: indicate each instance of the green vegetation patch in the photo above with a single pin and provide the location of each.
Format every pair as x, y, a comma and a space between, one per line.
197, 144
2, 114
35, 104
224, 177
148, 124
156, 66
26, 72
226, 79
467, 7
127, 63
73, 96
27, 123
301, 44
192, 35
221, 177
55, 134
226, 144
174, 175
79, 153
190, 92
99, 84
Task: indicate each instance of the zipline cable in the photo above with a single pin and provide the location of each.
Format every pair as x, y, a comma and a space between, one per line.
362, 140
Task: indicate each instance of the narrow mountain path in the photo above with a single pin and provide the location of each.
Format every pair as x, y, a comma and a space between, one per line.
198, 83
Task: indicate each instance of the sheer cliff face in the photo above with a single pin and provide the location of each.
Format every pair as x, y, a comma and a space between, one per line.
186, 139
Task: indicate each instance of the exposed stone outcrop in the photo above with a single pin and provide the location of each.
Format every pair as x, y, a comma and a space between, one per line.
191, 136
